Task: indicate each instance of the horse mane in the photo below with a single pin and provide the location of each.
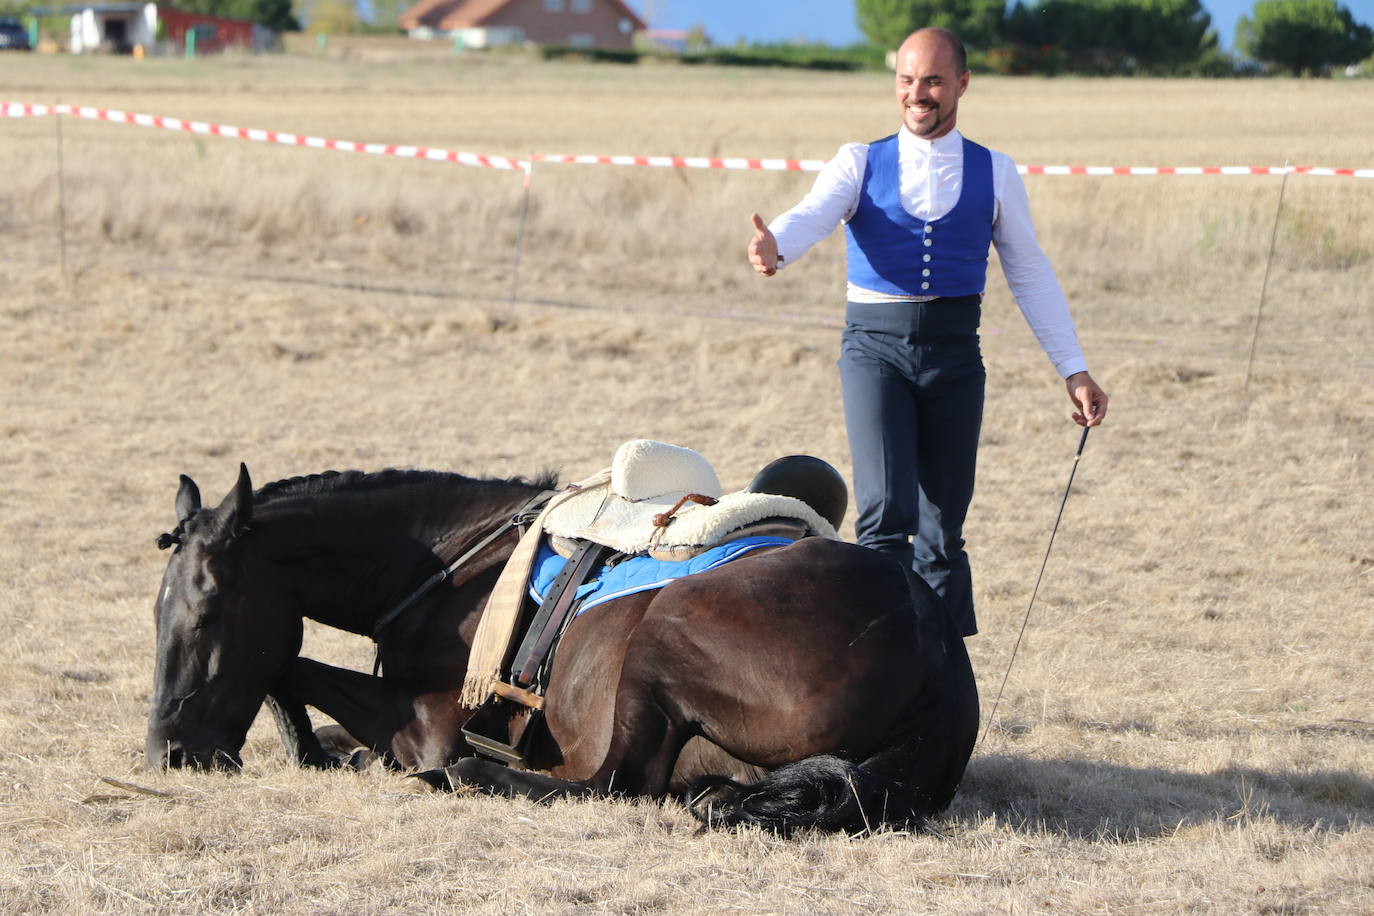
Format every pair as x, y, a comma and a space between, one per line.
354, 482
367, 481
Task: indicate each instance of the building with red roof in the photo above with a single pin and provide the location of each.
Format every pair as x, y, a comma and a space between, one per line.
487, 23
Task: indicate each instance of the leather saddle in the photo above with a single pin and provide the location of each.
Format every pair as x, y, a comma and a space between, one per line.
666, 501
656, 499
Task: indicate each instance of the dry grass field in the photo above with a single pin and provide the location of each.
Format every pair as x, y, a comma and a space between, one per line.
1189, 725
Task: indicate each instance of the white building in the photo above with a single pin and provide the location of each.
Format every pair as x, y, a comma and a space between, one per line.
116, 27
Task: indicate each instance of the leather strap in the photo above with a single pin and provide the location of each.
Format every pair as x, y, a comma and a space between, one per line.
558, 602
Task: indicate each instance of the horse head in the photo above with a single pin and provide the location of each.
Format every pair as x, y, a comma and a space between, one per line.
225, 632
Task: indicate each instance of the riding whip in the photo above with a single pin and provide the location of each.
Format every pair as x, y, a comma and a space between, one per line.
1264, 287
1082, 440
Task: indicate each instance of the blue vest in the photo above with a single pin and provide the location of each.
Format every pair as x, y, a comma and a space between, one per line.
893, 252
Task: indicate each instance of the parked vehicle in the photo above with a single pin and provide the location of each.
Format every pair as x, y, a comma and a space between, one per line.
13, 36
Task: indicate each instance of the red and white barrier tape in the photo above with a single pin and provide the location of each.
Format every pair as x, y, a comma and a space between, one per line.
689, 162
814, 165
1193, 170
19, 110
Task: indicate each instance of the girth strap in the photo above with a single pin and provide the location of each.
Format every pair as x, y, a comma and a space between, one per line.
554, 611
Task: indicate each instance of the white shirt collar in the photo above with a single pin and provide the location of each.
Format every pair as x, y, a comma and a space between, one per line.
909, 144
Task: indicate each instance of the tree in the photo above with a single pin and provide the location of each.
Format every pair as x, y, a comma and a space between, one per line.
1303, 36
387, 12
1165, 33
698, 40
333, 17
887, 22
1117, 34
275, 14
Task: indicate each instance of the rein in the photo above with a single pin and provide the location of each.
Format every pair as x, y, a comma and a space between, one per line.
521, 517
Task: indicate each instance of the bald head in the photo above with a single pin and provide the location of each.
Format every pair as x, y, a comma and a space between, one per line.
933, 37
932, 73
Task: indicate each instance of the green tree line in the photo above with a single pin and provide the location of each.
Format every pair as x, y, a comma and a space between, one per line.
275, 14
1129, 36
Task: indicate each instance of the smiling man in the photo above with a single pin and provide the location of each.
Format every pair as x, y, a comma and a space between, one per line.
921, 209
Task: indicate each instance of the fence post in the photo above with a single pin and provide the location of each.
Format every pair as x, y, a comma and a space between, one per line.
61, 196
520, 232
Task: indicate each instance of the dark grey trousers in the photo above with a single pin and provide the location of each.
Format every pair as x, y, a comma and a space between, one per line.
913, 382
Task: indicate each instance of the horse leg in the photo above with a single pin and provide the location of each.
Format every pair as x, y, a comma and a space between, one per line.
297, 736
951, 717
499, 779
931, 746
644, 749
368, 708
325, 748
336, 740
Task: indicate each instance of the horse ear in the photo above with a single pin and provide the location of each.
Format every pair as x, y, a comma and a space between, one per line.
188, 499
238, 505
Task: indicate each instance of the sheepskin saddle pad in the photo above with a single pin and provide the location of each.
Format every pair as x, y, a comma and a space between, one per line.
666, 501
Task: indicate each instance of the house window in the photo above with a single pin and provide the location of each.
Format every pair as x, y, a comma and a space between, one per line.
581, 40
581, 6
553, 6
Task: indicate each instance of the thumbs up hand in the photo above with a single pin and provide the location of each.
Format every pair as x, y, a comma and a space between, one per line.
763, 249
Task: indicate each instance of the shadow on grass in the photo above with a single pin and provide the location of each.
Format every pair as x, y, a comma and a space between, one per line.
1091, 800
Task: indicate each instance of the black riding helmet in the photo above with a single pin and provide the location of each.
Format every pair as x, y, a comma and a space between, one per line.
809, 479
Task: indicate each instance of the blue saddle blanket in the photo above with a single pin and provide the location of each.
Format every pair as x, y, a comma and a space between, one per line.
638, 574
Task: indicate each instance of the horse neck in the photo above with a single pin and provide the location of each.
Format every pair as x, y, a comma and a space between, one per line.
374, 549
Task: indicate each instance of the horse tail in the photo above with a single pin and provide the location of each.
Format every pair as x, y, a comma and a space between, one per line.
822, 792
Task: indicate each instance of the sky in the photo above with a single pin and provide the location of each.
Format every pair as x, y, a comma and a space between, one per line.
832, 21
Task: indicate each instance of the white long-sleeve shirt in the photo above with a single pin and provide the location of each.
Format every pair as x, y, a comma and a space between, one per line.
932, 175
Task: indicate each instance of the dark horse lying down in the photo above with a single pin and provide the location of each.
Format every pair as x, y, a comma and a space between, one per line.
805, 685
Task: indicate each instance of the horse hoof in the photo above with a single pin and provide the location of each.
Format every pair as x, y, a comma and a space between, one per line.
714, 800
438, 778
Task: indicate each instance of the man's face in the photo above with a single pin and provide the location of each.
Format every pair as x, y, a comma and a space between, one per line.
928, 86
